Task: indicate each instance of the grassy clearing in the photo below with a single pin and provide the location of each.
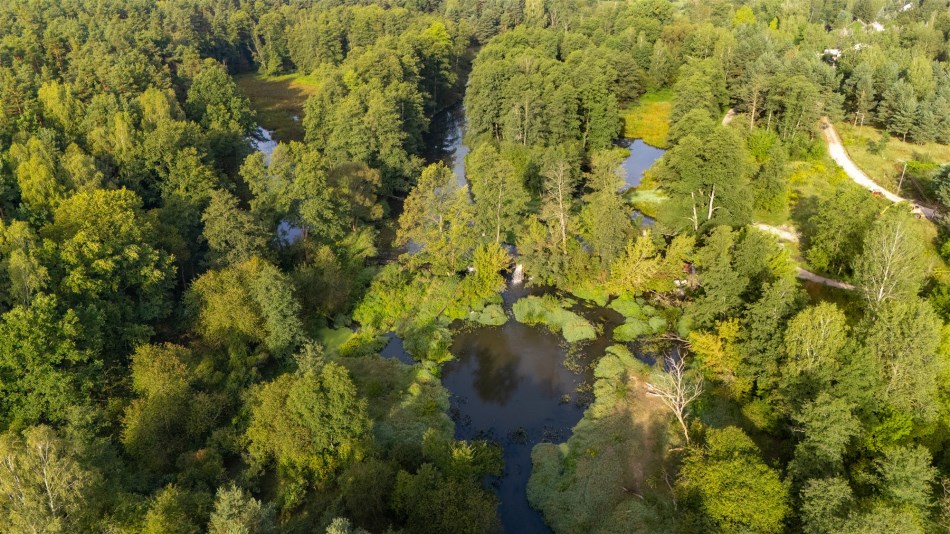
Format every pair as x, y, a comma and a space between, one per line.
608, 477
885, 168
811, 180
649, 119
277, 100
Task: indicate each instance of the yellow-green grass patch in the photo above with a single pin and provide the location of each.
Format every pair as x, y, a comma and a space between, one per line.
278, 101
885, 168
649, 118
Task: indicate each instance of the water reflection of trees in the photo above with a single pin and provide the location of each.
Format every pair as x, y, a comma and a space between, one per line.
496, 376
507, 357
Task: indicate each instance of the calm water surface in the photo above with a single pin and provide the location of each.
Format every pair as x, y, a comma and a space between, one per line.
445, 143
510, 384
642, 157
264, 142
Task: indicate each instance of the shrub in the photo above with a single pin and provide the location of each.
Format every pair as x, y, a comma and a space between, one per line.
657, 324
627, 307
577, 328
592, 292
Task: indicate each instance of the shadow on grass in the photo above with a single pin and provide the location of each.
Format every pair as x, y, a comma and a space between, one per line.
278, 102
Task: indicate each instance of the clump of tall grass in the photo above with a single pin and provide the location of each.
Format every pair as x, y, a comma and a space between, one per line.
490, 315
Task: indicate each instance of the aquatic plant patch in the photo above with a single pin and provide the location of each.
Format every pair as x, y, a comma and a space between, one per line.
552, 312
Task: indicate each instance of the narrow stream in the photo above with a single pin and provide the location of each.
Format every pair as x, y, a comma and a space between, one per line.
642, 157
446, 144
263, 141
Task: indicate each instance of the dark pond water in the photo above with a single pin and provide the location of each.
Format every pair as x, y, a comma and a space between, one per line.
395, 349
642, 157
510, 384
518, 385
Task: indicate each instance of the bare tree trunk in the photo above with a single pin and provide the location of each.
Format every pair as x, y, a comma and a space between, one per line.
755, 102
712, 198
676, 390
498, 218
695, 218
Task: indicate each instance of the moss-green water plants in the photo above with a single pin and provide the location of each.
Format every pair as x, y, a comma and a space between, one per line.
553, 313
641, 319
490, 315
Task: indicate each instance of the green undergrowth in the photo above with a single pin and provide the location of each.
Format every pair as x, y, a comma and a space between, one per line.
278, 101
490, 315
641, 319
404, 401
593, 292
419, 307
647, 200
332, 339
649, 118
553, 313
608, 476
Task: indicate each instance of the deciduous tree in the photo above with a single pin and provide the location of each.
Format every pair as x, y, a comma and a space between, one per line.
734, 488
892, 265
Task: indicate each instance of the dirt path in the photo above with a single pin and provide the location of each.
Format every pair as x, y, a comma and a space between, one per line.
789, 234
802, 274
837, 152
731, 114
784, 233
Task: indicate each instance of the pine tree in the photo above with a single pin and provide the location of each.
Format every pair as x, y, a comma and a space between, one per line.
899, 109
925, 127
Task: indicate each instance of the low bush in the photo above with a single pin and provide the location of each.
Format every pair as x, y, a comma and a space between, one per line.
630, 330
642, 319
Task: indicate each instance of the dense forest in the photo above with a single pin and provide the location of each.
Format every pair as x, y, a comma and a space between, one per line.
173, 360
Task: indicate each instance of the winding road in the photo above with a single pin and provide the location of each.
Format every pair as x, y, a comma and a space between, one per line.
840, 156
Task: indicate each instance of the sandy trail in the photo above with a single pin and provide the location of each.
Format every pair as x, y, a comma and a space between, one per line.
789, 234
837, 152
